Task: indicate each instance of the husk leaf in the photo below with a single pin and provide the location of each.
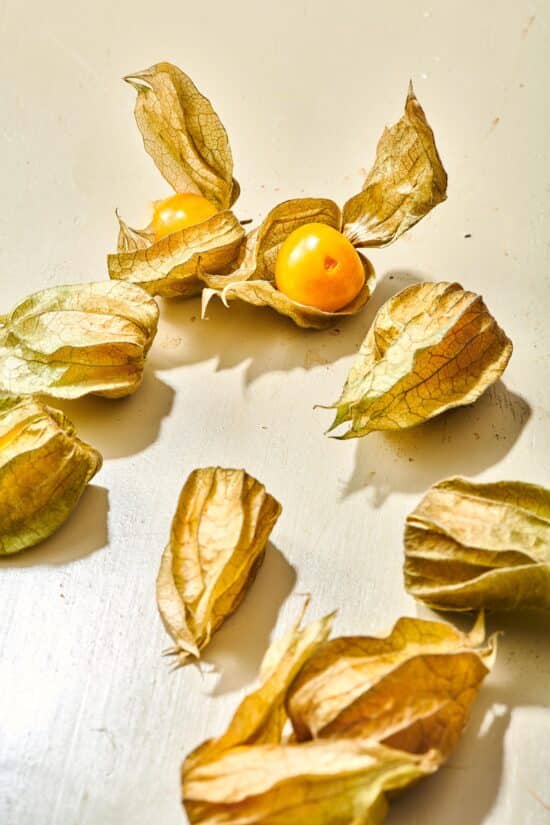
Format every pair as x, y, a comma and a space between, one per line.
169, 266
217, 541
405, 183
326, 782
411, 690
183, 134
469, 546
431, 347
44, 469
69, 341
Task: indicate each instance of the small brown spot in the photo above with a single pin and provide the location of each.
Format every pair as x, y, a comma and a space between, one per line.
335, 331
193, 318
495, 123
330, 263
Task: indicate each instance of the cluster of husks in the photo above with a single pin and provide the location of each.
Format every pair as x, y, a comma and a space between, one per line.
368, 716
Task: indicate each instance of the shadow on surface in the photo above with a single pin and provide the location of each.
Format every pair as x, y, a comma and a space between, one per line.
473, 772
122, 426
464, 441
466, 788
238, 648
270, 342
84, 532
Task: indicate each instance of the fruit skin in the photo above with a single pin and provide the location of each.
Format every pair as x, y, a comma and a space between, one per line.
179, 211
318, 266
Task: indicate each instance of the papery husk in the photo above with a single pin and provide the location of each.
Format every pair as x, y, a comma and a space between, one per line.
44, 469
169, 267
325, 782
411, 690
183, 134
470, 546
431, 347
222, 523
405, 183
69, 341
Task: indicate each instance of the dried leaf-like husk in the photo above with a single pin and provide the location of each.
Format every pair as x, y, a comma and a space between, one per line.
251, 774
44, 469
261, 716
169, 266
69, 341
131, 240
405, 183
411, 690
326, 782
183, 134
217, 541
254, 279
471, 545
431, 347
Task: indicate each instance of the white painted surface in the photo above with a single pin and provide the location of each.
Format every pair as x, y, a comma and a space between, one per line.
93, 726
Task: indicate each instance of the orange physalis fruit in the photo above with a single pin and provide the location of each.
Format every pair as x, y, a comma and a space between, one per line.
317, 266
180, 211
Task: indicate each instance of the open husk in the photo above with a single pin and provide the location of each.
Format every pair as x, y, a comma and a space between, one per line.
189, 145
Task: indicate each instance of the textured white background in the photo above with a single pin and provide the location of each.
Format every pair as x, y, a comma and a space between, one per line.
92, 725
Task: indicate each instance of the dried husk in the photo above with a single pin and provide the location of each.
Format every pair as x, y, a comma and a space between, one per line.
325, 782
254, 279
410, 690
471, 545
431, 347
44, 469
189, 145
253, 774
183, 134
217, 542
69, 341
131, 240
405, 183
169, 267
261, 716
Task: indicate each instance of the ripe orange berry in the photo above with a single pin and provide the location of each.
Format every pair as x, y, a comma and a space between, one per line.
178, 211
318, 266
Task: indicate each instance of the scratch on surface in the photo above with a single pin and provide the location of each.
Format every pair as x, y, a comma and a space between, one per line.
538, 798
527, 27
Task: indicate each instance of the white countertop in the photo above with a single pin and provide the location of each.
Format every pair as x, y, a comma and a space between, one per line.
93, 726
